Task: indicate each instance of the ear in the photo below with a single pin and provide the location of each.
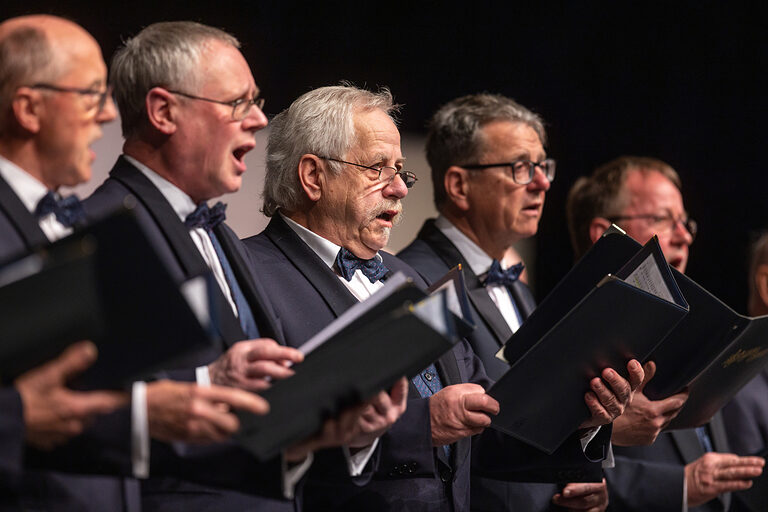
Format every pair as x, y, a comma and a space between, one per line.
312, 176
161, 110
761, 282
27, 108
597, 227
456, 184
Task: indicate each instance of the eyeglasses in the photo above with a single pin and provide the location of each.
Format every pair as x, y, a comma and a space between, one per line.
240, 107
664, 222
522, 170
387, 173
100, 97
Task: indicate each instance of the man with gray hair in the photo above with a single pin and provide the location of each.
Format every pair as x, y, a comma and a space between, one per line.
334, 184
683, 469
189, 108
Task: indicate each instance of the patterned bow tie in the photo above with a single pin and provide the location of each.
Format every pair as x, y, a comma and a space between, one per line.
347, 263
68, 210
206, 218
503, 277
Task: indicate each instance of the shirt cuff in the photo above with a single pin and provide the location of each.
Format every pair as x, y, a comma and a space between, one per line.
292, 475
356, 463
139, 430
587, 437
609, 461
203, 376
685, 494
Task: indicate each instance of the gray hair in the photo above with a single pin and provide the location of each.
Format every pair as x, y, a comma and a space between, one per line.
600, 195
165, 54
26, 57
320, 122
455, 132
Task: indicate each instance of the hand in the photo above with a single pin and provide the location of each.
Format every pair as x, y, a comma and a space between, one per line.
250, 364
382, 412
716, 473
54, 413
184, 411
336, 431
591, 497
460, 411
606, 404
643, 419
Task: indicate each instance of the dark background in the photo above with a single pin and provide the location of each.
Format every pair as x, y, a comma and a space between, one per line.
683, 82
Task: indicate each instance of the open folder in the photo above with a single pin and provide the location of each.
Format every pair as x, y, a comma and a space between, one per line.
713, 351
398, 331
106, 284
595, 318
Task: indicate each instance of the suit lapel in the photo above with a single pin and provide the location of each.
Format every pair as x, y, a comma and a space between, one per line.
688, 443
476, 291
523, 298
23, 222
327, 284
177, 235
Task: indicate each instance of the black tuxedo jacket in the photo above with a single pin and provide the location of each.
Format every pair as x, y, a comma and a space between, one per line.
222, 465
746, 417
432, 254
410, 474
19, 231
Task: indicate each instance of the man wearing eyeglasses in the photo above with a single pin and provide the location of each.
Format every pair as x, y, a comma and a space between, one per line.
680, 470
490, 175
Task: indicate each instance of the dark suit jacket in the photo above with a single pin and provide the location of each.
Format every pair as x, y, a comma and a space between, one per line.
410, 474
11, 438
225, 465
651, 477
19, 231
746, 417
432, 254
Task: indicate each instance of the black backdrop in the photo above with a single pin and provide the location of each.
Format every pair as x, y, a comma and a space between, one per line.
683, 82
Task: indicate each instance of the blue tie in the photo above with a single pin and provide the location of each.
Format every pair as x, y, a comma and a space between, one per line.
496, 275
68, 210
704, 439
347, 263
208, 219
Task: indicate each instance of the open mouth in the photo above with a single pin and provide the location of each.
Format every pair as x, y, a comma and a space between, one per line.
388, 215
239, 153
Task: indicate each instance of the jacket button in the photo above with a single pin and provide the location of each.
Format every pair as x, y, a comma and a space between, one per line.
445, 475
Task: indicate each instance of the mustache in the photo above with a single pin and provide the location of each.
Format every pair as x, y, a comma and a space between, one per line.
388, 205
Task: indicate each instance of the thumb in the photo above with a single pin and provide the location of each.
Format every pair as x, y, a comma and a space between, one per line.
650, 370
74, 360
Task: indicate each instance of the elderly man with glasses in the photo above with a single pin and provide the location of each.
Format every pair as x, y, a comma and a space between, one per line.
669, 471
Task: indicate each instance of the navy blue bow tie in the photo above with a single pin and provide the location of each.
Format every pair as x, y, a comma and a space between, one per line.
504, 277
347, 263
68, 210
206, 218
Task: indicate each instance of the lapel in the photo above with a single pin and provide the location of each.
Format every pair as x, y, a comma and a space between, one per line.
177, 236
322, 278
688, 443
477, 293
23, 222
523, 298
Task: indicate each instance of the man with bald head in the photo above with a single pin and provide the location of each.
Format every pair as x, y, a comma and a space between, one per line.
669, 470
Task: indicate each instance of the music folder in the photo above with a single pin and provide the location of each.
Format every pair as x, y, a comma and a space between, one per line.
593, 319
397, 332
104, 283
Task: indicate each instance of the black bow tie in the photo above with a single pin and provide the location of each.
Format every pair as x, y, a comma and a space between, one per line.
347, 263
68, 210
206, 218
504, 277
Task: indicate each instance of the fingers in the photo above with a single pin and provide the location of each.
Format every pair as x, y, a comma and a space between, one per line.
481, 402
268, 349
636, 374
399, 393
670, 406
74, 360
583, 496
235, 398
611, 399
85, 405
265, 368
649, 369
575, 490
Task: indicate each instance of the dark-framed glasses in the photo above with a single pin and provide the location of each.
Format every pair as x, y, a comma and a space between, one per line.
522, 170
240, 107
663, 222
99, 98
387, 173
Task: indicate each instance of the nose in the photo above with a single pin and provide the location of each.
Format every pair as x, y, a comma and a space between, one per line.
108, 113
539, 181
396, 188
681, 233
255, 120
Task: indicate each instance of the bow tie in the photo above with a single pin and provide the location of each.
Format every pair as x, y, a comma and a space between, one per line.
503, 277
347, 263
206, 218
68, 210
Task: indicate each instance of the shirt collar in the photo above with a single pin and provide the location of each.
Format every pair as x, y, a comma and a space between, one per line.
325, 249
181, 203
477, 259
24, 185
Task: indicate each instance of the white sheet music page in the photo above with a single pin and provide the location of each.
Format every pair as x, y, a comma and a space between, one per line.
647, 276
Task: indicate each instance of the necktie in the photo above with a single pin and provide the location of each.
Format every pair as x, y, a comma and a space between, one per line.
496, 275
68, 210
208, 219
704, 439
347, 263
427, 384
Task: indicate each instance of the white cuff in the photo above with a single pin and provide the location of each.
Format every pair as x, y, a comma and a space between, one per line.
139, 430
685, 494
356, 463
609, 461
587, 437
203, 376
292, 476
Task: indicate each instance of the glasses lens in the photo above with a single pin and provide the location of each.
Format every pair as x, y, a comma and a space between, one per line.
408, 178
548, 167
522, 172
692, 227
